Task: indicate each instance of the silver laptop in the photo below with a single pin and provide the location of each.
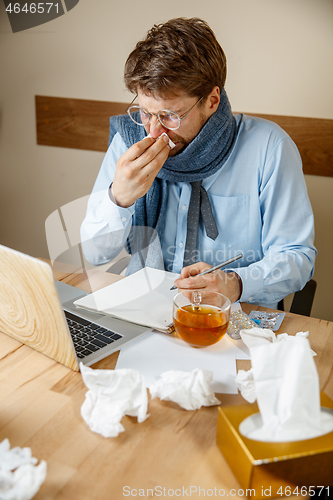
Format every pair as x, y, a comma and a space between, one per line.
39, 312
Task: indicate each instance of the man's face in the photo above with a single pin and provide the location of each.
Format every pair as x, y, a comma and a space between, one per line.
190, 126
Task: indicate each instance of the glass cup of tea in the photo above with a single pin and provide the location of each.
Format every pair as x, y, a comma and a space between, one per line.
201, 317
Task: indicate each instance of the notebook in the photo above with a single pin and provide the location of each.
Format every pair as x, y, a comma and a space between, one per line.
143, 298
40, 312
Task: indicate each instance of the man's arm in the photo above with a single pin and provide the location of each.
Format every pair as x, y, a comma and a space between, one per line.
287, 235
124, 176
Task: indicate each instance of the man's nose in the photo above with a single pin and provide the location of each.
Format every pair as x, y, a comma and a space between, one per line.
156, 128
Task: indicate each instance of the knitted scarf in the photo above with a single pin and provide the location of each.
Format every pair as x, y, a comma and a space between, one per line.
205, 154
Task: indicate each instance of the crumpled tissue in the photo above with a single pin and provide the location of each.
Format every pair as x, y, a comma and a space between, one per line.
191, 390
111, 395
284, 380
171, 144
246, 385
20, 477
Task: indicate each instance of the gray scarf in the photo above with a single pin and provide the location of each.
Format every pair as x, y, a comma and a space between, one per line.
205, 154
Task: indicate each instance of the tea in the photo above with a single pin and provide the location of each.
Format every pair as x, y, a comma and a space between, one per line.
202, 325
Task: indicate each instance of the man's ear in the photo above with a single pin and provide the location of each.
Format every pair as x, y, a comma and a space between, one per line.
213, 100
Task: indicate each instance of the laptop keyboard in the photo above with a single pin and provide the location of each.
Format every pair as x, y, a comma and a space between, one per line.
88, 337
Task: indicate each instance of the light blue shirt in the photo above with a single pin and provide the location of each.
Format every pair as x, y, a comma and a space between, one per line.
260, 205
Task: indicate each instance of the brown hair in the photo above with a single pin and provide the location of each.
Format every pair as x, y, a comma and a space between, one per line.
179, 55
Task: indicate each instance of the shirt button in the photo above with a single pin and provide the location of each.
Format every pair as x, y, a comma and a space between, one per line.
124, 219
181, 245
184, 207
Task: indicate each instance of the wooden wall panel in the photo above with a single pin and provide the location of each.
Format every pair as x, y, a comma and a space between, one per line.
75, 123
84, 124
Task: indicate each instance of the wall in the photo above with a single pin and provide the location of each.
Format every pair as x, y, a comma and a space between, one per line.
279, 62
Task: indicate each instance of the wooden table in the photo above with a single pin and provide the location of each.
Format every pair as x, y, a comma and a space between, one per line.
171, 452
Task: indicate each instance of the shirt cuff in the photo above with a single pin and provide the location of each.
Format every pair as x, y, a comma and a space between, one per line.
116, 217
125, 214
252, 282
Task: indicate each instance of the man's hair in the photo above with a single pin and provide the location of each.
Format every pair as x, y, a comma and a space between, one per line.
179, 55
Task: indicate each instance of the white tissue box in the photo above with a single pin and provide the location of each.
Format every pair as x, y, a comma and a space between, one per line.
265, 469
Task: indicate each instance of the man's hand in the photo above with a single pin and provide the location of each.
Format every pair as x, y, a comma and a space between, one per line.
228, 284
137, 168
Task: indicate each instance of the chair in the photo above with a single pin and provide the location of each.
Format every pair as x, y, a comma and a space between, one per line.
303, 300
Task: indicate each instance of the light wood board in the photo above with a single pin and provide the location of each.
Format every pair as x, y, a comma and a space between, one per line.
84, 124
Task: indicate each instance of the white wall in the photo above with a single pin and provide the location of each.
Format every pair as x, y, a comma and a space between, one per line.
279, 61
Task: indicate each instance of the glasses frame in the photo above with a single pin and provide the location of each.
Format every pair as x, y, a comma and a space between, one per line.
150, 115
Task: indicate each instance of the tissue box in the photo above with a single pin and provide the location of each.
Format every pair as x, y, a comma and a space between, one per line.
274, 469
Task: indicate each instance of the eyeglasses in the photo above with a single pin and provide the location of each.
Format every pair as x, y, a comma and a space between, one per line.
168, 119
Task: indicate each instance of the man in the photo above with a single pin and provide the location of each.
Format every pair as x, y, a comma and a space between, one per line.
231, 184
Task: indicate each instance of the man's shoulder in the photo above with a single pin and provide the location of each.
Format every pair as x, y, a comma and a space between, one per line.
258, 124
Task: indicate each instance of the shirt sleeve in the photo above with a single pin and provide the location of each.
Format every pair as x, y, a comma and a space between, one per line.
287, 230
106, 225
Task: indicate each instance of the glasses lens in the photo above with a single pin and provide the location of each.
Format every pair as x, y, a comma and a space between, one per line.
169, 119
138, 115
144, 116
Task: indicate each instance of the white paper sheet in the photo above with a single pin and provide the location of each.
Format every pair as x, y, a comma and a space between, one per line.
156, 353
143, 297
239, 349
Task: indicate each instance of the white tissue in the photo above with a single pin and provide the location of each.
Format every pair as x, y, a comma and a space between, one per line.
286, 386
171, 144
245, 383
190, 390
20, 477
254, 337
113, 394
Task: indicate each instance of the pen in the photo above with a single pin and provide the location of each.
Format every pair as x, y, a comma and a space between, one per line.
239, 256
